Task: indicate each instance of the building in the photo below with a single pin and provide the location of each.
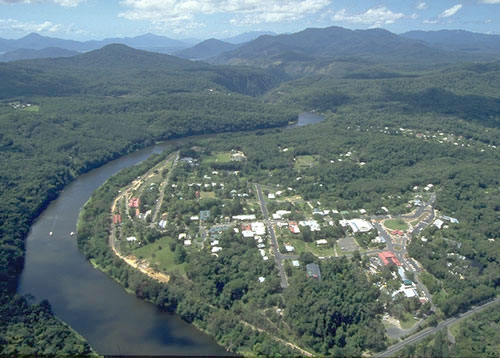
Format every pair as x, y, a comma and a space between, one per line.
313, 271
313, 224
134, 202
321, 242
293, 227
244, 217
438, 223
280, 213
389, 258
117, 219
238, 156
358, 225
450, 219
258, 228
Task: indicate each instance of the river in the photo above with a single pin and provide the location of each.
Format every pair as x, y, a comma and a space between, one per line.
111, 320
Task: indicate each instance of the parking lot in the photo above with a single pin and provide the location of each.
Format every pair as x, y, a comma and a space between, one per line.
347, 244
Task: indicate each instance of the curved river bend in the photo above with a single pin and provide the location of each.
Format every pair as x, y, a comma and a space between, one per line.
111, 320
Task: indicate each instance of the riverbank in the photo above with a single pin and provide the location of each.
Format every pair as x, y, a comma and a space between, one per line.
56, 261
147, 286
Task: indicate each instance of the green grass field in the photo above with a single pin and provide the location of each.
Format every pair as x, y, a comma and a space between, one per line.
396, 224
163, 258
218, 158
306, 161
207, 195
32, 108
320, 251
408, 321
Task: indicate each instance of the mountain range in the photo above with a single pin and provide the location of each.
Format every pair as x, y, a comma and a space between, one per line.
148, 42
312, 50
458, 40
28, 54
336, 42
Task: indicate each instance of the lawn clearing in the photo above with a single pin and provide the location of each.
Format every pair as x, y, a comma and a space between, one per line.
163, 258
207, 195
396, 224
407, 321
33, 108
306, 161
218, 158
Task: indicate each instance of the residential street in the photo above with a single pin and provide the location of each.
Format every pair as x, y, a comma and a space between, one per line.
278, 257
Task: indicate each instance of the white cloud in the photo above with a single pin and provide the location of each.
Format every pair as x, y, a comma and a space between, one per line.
69, 3
421, 5
490, 1
431, 22
451, 11
65, 3
46, 27
375, 17
244, 11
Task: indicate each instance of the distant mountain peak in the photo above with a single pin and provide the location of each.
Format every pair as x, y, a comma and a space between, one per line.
206, 49
34, 35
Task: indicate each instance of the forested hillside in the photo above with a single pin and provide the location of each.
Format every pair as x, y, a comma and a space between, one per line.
63, 117
477, 336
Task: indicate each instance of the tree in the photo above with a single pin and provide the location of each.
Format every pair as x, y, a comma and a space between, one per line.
179, 254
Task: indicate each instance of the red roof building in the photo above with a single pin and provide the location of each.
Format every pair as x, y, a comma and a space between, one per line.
293, 227
388, 258
117, 219
134, 202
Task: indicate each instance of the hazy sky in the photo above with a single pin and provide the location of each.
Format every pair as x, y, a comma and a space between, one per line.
97, 19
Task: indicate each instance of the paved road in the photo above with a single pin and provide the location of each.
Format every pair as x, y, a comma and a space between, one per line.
278, 257
431, 330
161, 189
402, 254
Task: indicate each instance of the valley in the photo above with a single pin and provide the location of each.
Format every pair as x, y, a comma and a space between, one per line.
336, 238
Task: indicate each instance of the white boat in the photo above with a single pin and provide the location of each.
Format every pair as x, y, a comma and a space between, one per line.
50, 233
72, 233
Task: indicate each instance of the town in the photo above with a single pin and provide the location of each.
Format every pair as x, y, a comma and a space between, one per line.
186, 204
